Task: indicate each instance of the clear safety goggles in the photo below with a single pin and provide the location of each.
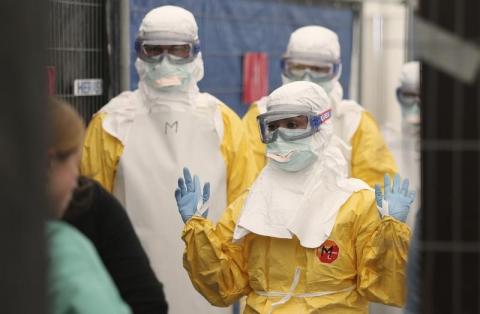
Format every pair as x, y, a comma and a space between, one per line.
296, 69
154, 50
272, 124
408, 99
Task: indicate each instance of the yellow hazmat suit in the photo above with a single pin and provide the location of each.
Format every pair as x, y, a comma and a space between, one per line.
102, 152
363, 260
304, 241
370, 157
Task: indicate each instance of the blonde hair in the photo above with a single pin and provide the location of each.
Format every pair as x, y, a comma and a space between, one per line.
67, 128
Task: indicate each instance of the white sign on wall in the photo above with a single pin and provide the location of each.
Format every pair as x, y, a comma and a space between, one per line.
88, 87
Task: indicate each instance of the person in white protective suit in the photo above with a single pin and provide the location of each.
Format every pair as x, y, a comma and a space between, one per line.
408, 96
138, 143
405, 147
313, 54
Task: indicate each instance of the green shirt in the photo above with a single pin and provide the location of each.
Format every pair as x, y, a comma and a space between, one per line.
77, 279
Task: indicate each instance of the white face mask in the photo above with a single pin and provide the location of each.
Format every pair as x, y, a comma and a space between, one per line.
327, 85
167, 76
411, 119
291, 156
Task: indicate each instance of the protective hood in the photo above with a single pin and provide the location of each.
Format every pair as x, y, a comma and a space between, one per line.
336, 95
410, 77
411, 111
170, 22
344, 109
312, 44
314, 99
315, 41
305, 203
347, 115
174, 25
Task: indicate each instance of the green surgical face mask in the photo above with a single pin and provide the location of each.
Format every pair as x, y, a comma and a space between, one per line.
411, 119
291, 156
166, 76
326, 85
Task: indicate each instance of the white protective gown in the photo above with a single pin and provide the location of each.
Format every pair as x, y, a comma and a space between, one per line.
163, 126
160, 136
345, 120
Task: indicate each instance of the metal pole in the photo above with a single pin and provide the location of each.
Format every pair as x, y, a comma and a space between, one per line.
355, 76
124, 45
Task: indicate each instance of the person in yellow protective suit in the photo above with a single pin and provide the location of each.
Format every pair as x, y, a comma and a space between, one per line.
313, 54
135, 145
305, 238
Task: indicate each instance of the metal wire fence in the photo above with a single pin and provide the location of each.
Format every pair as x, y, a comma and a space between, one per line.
78, 51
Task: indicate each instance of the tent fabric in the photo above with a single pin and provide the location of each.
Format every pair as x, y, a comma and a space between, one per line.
230, 28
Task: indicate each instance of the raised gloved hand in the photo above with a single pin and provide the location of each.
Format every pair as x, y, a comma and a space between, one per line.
397, 199
190, 199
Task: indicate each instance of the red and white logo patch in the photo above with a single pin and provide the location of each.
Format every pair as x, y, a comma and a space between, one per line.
328, 252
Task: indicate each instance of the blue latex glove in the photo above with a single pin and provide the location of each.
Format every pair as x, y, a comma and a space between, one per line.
190, 199
397, 199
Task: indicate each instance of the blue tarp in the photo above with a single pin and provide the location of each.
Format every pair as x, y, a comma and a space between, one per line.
229, 28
